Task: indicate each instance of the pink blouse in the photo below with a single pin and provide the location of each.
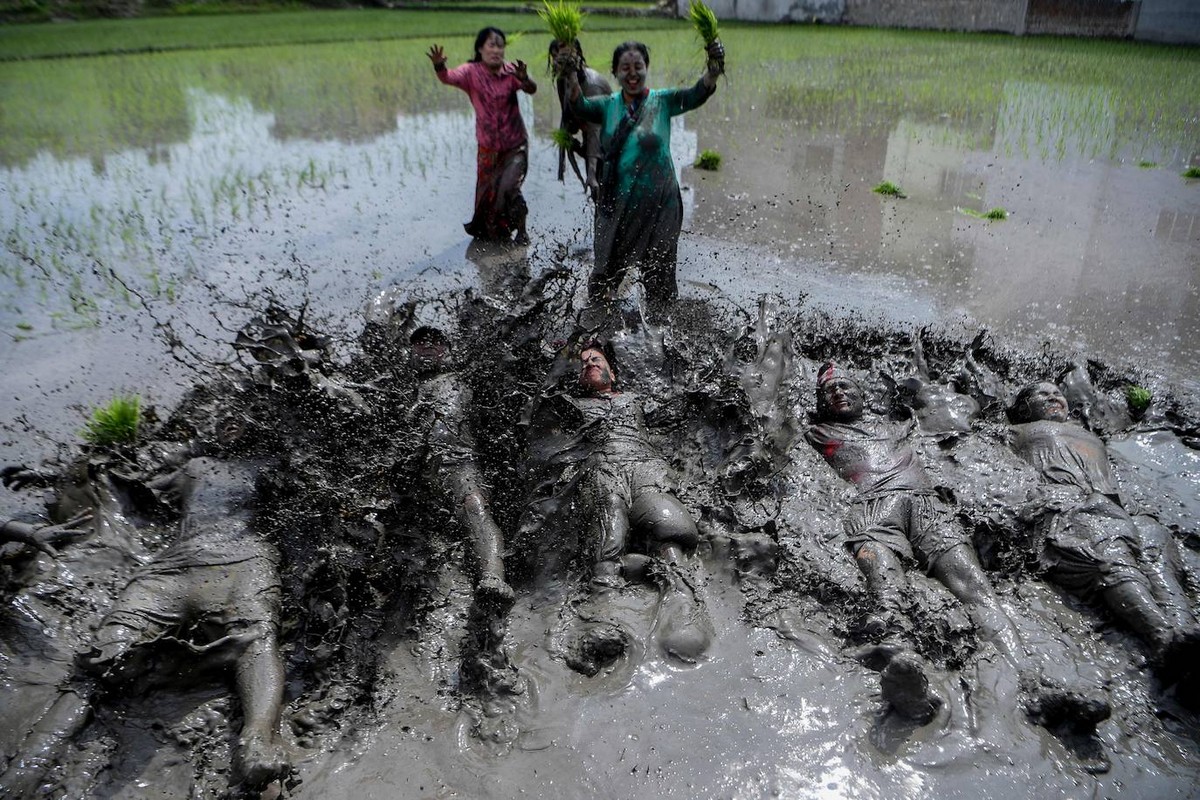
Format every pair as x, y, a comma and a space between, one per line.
498, 124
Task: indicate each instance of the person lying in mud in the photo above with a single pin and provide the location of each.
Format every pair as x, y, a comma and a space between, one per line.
448, 462
1088, 542
592, 84
626, 495
897, 521
215, 593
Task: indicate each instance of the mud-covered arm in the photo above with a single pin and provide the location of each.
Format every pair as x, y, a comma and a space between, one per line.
684, 100
42, 536
19, 476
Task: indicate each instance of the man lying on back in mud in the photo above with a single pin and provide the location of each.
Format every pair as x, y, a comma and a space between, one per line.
898, 521
1089, 543
214, 592
626, 495
447, 461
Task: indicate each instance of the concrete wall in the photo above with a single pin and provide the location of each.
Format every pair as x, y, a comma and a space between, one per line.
1114, 19
1169, 21
828, 11
949, 15
1153, 20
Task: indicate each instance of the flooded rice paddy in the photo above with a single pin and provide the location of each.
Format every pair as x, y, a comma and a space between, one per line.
149, 203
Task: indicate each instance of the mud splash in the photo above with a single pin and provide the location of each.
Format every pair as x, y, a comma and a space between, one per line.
405, 678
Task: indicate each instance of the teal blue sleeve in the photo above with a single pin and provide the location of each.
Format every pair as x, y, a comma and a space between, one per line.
590, 109
680, 101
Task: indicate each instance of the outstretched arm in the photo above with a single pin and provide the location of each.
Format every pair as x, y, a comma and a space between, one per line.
42, 536
715, 66
521, 72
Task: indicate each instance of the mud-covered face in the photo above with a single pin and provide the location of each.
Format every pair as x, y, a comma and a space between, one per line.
595, 373
841, 399
492, 52
429, 355
631, 72
1046, 401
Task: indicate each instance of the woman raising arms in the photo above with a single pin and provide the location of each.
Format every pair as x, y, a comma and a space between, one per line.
639, 211
492, 84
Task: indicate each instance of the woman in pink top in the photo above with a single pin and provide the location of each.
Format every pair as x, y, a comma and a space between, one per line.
492, 85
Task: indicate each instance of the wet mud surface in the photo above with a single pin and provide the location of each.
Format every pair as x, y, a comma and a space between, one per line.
396, 684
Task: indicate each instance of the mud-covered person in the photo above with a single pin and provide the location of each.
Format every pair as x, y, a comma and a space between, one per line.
492, 85
214, 592
639, 210
1090, 543
592, 84
445, 459
896, 523
628, 508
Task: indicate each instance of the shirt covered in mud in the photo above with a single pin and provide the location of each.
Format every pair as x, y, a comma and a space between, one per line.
444, 456
878, 460
498, 123
1067, 455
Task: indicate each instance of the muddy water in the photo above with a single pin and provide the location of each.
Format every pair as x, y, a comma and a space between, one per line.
277, 177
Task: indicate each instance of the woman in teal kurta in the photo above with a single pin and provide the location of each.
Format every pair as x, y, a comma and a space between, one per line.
639, 211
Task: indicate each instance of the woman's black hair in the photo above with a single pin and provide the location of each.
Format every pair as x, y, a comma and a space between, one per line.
1018, 412
482, 37
624, 48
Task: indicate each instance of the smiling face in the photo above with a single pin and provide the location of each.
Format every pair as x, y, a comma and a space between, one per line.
595, 373
631, 72
840, 399
491, 52
1046, 401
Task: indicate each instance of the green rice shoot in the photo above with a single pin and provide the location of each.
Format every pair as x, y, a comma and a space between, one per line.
115, 423
564, 19
996, 213
704, 20
1147, 164
889, 189
709, 160
1137, 398
562, 139
1192, 172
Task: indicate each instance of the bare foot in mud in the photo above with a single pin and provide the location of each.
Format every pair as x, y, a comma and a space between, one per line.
494, 594
906, 689
598, 646
684, 630
261, 759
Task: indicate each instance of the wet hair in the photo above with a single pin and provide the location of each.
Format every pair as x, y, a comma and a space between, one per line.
555, 47
624, 48
609, 356
482, 37
1019, 412
427, 334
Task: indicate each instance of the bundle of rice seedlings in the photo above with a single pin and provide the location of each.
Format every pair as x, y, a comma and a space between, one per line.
115, 423
564, 19
563, 139
889, 189
704, 20
1138, 398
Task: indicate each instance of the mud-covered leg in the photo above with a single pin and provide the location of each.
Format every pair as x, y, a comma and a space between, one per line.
685, 631
601, 641
262, 757
486, 542
45, 743
960, 572
885, 578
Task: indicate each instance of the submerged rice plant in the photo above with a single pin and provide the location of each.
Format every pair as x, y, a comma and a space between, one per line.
709, 160
1137, 398
114, 423
889, 189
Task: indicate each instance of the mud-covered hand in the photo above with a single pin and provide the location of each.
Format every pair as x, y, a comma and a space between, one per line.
19, 477
521, 71
566, 62
43, 536
716, 58
438, 56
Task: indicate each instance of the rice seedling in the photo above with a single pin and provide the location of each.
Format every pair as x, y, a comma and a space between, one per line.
889, 189
1137, 398
1148, 164
709, 160
1192, 172
564, 19
704, 21
562, 139
114, 423
996, 213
